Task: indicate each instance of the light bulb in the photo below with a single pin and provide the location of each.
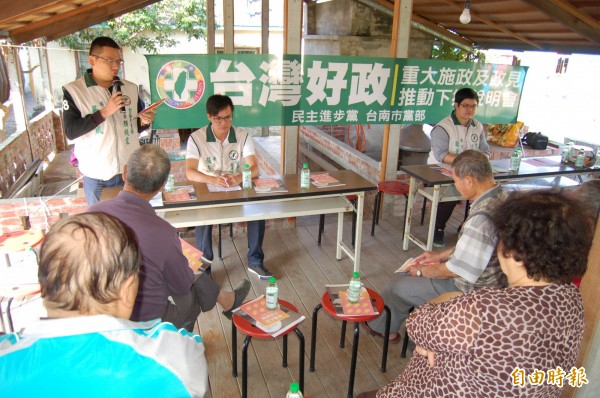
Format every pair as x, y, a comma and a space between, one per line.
465, 17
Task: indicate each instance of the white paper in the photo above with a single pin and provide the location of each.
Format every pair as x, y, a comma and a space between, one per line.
157, 200
217, 188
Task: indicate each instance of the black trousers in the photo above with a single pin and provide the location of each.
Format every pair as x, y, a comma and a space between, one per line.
444, 213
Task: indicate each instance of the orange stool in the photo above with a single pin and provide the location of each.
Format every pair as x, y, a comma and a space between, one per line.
252, 331
392, 187
329, 308
352, 199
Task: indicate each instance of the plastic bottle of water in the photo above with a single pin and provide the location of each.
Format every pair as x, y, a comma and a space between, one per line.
272, 294
305, 177
580, 160
294, 391
515, 160
354, 288
246, 177
564, 154
170, 185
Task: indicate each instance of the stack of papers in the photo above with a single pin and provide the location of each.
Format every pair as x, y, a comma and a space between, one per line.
269, 184
343, 308
274, 322
324, 180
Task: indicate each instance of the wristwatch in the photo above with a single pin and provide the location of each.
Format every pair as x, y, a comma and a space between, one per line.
419, 273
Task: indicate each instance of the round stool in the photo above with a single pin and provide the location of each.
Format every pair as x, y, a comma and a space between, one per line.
326, 303
252, 331
392, 187
351, 199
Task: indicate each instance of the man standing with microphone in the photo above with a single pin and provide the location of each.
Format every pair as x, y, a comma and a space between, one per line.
100, 114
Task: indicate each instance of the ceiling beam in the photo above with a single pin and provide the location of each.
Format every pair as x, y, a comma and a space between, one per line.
75, 20
418, 22
494, 25
569, 16
17, 9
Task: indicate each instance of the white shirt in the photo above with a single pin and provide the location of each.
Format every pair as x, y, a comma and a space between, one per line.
219, 157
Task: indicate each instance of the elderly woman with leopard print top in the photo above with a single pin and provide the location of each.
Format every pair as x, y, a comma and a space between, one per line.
520, 341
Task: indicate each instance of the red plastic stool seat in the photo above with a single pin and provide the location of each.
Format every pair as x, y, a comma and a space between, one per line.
351, 198
393, 187
327, 304
251, 331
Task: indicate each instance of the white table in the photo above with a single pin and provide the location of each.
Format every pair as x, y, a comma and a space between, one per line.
212, 208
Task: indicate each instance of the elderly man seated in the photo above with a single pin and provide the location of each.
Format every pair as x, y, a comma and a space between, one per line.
88, 272
471, 264
165, 269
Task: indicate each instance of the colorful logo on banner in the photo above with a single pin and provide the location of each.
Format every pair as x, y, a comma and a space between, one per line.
181, 83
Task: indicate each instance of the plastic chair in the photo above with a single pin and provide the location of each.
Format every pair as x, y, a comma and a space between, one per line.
352, 199
327, 304
392, 187
252, 331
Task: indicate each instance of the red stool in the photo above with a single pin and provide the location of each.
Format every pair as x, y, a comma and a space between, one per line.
391, 187
328, 305
352, 199
252, 331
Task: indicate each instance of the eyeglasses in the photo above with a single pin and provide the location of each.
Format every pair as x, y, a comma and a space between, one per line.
469, 107
110, 61
218, 119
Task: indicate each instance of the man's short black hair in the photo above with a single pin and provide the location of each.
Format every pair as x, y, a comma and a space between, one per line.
103, 41
465, 93
216, 103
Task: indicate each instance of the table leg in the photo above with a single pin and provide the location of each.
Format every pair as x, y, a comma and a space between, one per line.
434, 207
360, 207
340, 233
409, 206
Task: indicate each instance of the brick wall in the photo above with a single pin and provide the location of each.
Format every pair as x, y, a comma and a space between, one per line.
42, 212
19, 151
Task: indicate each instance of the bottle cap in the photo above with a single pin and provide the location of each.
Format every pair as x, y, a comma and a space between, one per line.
305, 165
272, 279
355, 275
246, 166
294, 387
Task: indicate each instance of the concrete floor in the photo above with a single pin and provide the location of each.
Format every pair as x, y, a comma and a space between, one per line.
59, 174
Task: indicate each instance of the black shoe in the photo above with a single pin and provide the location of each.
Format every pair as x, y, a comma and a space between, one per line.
241, 291
260, 271
438, 238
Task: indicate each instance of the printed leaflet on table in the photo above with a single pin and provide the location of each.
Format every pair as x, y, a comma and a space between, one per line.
324, 180
267, 184
339, 298
180, 194
273, 322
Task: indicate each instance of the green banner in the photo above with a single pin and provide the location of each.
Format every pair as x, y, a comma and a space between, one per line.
322, 90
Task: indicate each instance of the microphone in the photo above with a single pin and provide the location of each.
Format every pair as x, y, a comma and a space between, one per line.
117, 87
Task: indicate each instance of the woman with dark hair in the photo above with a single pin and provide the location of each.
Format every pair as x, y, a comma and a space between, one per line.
520, 341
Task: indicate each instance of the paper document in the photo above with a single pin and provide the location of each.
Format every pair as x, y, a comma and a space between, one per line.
218, 188
407, 264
